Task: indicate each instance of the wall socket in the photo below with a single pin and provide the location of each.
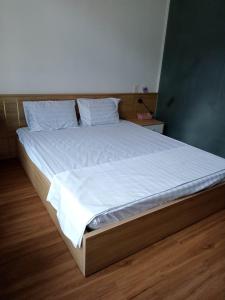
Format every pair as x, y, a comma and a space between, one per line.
140, 88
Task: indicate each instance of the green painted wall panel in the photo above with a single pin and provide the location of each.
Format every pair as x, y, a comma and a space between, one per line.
192, 86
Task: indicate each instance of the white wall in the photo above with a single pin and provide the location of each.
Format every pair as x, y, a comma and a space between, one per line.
80, 45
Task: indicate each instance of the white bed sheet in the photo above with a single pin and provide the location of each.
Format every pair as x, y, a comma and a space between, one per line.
60, 150
83, 148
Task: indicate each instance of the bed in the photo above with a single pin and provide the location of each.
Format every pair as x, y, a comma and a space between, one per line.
126, 228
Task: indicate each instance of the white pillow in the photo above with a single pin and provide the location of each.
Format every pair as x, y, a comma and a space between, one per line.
49, 115
98, 111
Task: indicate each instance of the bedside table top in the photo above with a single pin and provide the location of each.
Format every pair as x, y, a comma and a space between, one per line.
145, 122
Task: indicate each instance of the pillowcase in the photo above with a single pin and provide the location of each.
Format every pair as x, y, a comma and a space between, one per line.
98, 111
50, 115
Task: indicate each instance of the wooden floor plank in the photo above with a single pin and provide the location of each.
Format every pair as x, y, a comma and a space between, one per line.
35, 263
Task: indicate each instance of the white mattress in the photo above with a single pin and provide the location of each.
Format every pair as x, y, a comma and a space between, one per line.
55, 152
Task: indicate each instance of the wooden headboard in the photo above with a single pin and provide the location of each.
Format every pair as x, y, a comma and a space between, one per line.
12, 114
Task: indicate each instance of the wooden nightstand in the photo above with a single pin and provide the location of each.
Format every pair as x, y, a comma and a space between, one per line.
152, 124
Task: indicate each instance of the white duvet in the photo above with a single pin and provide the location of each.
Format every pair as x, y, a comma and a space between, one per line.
102, 174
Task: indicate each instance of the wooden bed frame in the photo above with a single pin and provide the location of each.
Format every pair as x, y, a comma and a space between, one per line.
103, 247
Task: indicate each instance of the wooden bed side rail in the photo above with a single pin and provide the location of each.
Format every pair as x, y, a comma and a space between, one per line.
42, 185
113, 243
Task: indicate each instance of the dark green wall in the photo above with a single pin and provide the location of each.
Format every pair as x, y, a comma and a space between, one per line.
192, 86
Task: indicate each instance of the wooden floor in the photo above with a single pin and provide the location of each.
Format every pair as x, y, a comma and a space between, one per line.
35, 263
